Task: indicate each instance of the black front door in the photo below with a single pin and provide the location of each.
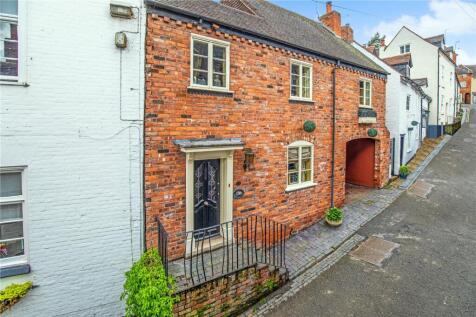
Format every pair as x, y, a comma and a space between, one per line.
206, 196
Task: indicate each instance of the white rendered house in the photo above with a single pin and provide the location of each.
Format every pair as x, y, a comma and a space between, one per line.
71, 116
406, 110
430, 62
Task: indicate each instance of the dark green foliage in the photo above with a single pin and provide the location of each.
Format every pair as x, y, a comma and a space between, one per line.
12, 294
148, 291
309, 126
404, 170
334, 214
375, 40
372, 132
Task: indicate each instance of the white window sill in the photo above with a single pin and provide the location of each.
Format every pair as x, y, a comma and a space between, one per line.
300, 99
222, 90
363, 106
292, 188
13, 83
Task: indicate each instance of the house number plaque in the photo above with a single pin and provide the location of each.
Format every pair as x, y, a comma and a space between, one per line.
238, 193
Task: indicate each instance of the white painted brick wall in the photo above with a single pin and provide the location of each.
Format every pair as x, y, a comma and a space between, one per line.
83, 174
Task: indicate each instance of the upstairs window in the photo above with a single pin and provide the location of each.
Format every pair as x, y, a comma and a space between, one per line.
408, 102
365, 93
405, 49
300, 164
12, 218
9, 39
301, 80
210, 63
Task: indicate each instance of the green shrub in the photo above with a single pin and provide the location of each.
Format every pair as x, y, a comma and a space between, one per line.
147, 290
404, 170
334, 214
12, 294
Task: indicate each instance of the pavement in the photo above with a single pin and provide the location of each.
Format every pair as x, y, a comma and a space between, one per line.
432, 271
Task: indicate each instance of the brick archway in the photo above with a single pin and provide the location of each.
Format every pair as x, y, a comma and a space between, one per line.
360, 162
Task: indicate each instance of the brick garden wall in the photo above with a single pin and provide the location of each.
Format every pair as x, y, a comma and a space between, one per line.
229, 295
261, 114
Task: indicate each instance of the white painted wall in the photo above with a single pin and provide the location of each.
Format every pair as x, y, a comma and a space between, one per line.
83, 162
397, 118
425, 65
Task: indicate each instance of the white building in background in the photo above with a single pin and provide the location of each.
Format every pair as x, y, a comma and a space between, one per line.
406, 108
71, 110
437, 67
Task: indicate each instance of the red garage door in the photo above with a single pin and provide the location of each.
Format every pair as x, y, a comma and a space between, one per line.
360, 160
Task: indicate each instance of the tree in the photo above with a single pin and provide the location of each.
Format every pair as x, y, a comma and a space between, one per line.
376, 40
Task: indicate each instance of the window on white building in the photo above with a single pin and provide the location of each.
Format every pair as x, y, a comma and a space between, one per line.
409, 141
408, 102
210, 63
12, 217
9, 39
301, 80
405, 49
300, 164
365, 93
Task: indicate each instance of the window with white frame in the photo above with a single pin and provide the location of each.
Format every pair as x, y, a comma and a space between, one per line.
365, 93
301, 80
300, 164
210, 63
404, 48
408, 102
12, 217
409, 141
9, 39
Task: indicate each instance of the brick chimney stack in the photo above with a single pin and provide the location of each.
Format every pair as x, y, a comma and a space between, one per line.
333, 21
382, 43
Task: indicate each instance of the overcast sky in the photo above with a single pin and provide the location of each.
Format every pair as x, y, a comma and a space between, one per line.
454, 18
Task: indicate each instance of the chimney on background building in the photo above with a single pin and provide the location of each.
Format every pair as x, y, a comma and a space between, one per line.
382, 43
333, 21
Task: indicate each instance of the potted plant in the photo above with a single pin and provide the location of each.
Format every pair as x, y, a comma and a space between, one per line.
404, 171
334, 216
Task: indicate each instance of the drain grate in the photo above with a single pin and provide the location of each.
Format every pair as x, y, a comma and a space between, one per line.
374, 250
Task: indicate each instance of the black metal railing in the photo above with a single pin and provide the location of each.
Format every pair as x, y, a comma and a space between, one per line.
163, 239
227, 248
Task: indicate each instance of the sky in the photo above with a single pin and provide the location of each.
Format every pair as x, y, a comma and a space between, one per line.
454, 18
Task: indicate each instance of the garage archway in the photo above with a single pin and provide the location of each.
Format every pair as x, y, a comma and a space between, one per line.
360, 162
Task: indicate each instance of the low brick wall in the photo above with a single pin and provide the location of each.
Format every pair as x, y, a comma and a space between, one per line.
230, 295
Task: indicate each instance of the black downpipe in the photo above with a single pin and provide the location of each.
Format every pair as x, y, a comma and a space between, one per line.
421, 120
438, 100
333, 132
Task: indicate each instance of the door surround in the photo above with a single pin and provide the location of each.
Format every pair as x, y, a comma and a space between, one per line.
225, 155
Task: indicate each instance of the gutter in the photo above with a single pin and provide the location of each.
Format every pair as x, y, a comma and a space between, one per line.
172, 9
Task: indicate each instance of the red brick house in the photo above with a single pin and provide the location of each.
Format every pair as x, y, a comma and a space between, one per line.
233, 92
465, 77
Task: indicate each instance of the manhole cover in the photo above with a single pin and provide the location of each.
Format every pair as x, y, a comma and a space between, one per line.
421, 189
374, 250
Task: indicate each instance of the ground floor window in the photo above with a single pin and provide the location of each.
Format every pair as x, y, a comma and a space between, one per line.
12, 217
300, 162
409, 141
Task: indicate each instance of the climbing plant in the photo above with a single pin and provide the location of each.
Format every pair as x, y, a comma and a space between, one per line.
147, 290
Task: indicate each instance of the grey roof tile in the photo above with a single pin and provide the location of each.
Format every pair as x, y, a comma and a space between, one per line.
275, 23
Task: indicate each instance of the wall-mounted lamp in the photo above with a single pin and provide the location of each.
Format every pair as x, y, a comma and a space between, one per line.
121, 11
249, 162
120, 39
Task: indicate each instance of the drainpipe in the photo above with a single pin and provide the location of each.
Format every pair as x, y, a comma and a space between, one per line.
438, 99
421, 120
333, 131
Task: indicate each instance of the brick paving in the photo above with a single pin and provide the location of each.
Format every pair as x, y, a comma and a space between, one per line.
309, 246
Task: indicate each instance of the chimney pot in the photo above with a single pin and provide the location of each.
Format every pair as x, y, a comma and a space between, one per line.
328, 6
